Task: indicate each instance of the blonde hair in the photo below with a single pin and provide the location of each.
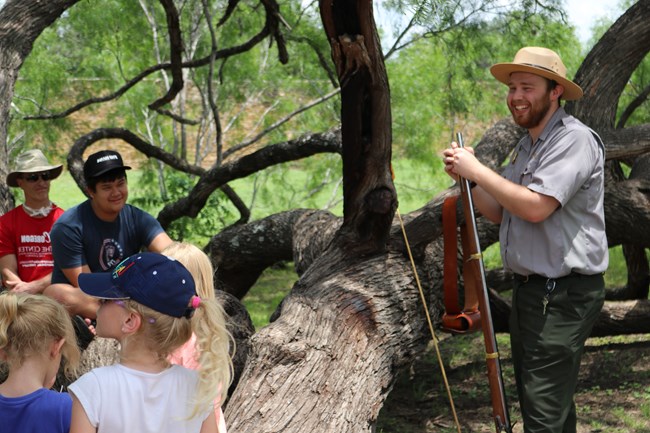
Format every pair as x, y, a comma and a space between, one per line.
198, 263
214, 343
29, 323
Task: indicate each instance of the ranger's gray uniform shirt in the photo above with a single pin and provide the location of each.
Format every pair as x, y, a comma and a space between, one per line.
567, 163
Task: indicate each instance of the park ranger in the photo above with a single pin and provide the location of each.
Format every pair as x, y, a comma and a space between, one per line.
549, 203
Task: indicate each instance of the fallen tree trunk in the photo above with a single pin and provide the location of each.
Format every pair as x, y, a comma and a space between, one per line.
623, 318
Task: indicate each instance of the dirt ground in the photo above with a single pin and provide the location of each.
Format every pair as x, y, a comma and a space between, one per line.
613, 393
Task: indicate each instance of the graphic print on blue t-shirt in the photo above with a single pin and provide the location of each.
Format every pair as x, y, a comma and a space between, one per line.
80, 238
110, 254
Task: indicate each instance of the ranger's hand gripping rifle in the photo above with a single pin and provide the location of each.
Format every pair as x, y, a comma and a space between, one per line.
477, 272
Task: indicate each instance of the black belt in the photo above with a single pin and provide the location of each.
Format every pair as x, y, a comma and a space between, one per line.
536, 277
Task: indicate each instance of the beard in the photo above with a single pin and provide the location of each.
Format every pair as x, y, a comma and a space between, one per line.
538, 110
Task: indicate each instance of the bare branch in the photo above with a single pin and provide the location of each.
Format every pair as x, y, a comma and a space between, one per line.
302, 147
636, 103
176, 50
75, 157
220, 54
210, 96
280, 122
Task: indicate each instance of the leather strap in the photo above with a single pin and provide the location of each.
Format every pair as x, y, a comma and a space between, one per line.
455, 319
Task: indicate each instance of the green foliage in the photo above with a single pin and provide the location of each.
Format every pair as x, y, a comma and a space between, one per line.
63, 191
415, 180
214, 216
253, 90
443, 84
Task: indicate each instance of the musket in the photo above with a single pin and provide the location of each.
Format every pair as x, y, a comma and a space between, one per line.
475, 261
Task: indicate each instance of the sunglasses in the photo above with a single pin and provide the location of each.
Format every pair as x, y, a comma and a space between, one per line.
119, 302
122, 303
34, 177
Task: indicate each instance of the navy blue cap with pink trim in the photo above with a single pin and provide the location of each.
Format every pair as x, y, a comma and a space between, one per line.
153, 280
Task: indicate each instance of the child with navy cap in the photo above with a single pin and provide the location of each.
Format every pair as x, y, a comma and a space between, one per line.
149, 304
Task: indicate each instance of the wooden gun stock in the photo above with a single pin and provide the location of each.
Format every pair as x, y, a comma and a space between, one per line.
475, 261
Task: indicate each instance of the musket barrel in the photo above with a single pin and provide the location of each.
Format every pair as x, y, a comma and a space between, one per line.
495, 377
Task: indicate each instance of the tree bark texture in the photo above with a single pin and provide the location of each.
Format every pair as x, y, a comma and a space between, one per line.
605, 71
333, 371
328, 362
369, 197
290, 370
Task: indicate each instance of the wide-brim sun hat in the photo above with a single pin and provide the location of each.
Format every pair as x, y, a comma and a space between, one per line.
32, 161
539, 61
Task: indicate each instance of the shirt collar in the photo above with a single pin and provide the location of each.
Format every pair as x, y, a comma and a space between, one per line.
558, 116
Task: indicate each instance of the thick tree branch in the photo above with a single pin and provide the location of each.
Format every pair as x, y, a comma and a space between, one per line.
618, 52
240, 256
75, 157
302, 147
369, 197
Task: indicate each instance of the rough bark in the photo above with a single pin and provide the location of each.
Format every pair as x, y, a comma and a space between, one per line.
240, 254
605, 71
638, 269
369, 197
330, 359
623, 318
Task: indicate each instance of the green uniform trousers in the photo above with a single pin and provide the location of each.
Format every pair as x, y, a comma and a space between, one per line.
547, 346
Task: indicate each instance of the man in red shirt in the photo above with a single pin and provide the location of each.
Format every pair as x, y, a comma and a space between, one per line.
25, 251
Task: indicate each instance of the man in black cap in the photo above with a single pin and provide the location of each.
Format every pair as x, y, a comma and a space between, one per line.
99, 233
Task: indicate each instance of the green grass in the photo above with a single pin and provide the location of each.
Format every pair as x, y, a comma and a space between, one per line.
262, 300
616, 275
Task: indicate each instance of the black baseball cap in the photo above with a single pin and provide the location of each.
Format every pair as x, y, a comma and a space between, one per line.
102, 162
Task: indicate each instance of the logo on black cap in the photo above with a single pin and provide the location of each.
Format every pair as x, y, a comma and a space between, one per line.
102, 162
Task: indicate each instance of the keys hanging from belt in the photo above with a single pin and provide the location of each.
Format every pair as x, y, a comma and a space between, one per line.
548, 288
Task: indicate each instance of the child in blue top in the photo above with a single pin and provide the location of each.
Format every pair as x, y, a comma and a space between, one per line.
35, 334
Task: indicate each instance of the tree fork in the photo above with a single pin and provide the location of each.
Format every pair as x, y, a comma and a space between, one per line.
369, 197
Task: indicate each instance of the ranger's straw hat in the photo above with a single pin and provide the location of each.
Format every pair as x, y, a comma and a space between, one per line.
32, 161
538, 61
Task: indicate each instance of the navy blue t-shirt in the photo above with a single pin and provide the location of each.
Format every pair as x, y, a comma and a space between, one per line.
80, 238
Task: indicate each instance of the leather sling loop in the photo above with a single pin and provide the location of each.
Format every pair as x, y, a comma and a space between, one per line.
455, 319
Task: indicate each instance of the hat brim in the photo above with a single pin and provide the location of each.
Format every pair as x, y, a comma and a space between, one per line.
502, 71
55, 171
100, 285
102, 172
